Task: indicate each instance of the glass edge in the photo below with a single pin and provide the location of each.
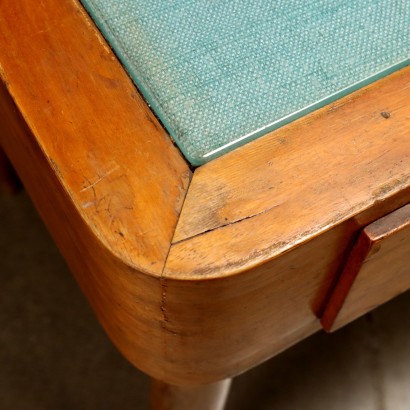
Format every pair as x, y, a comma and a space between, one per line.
198, 160
203, 159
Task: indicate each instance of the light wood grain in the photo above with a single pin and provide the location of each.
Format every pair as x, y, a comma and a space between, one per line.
263, 231
220, 327
103, 174
112, 157
300, 182
273, 222
335, 161
377, 269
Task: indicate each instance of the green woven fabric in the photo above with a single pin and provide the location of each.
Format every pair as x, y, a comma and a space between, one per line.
219, 73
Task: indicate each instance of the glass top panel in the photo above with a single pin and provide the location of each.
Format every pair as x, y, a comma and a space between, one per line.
220, 73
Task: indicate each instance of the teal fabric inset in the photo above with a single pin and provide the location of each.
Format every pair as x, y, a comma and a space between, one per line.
219, 73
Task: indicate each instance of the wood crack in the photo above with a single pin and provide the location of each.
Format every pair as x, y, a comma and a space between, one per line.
232, 222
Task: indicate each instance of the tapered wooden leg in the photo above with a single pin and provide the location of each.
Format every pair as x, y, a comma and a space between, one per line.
9, 181
205, 397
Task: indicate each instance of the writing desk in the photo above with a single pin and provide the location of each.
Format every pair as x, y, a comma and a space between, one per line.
198, 275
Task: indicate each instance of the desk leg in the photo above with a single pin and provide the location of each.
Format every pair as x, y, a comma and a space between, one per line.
206, 397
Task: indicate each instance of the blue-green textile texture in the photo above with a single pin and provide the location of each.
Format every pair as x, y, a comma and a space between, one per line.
219, 73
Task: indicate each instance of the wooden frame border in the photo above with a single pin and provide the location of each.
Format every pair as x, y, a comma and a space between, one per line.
180, 304
299, 180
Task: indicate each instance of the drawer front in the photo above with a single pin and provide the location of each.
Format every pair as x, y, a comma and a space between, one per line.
377, 269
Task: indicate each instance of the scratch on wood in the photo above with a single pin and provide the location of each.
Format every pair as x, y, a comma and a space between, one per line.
165, 319
56, 168
336, 106
86, 205
164, 286
39, 32
92, 185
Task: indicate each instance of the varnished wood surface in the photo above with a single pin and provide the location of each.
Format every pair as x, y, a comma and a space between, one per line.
335, 161
378, 268
204, 397
282, 213
109, 152
101, 171
238, 286
220, 327
118, 293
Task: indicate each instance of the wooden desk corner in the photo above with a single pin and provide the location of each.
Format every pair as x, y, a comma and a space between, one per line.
196, 275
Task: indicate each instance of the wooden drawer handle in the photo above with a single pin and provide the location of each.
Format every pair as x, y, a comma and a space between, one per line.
378, 268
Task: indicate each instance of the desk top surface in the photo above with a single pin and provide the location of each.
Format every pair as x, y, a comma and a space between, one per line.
220, 73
